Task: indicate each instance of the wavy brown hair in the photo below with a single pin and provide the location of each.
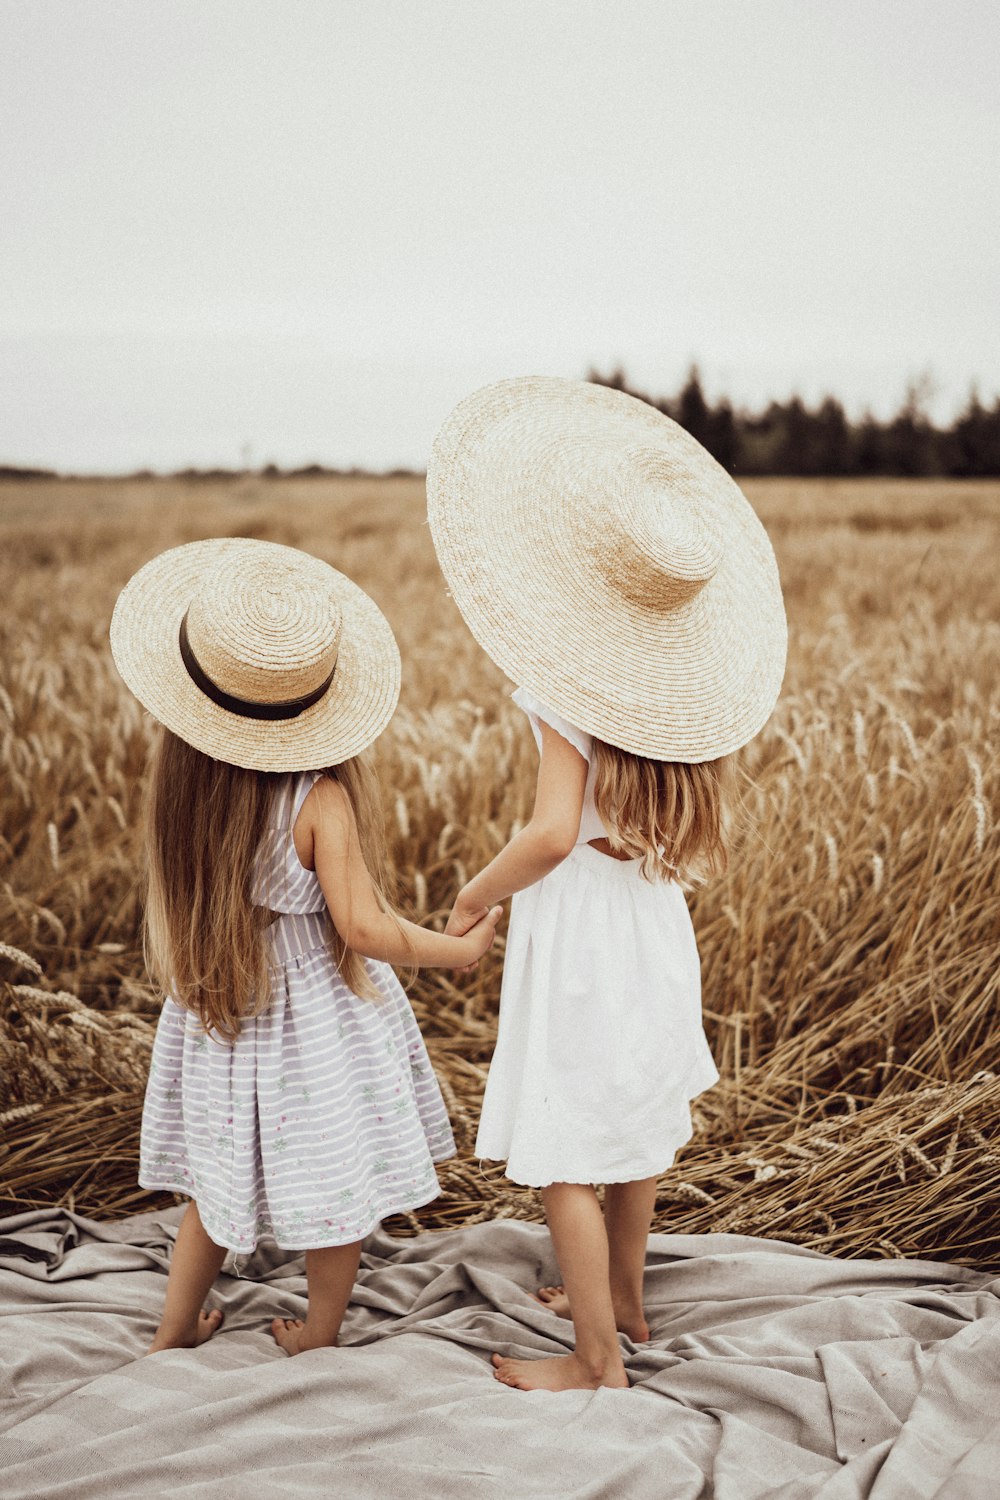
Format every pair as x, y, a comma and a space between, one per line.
204, 936
677, 818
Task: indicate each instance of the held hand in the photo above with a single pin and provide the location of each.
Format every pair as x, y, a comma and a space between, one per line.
463, 918
478, 938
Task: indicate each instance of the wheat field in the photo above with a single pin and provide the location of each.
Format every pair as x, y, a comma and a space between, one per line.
850, 957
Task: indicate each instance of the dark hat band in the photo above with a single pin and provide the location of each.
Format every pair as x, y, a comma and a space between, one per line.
289, 709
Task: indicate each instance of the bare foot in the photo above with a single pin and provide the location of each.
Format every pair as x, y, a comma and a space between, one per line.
207, 1324
555, 1299
295, 1338
632, 1324
563, 1372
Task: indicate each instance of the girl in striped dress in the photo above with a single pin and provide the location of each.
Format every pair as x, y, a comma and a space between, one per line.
290, 1093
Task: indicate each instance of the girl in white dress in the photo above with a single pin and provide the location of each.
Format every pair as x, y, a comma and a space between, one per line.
604, 560
601, 1000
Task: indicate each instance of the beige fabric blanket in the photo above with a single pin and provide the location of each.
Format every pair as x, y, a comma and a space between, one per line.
772, 1371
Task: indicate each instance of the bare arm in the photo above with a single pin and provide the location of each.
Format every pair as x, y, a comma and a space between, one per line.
327, 821
542, 845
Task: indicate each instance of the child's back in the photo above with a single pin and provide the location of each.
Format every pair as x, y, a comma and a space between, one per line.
600, 1014
324, 1115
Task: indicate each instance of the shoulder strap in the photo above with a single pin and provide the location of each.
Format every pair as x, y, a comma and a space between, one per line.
301, 790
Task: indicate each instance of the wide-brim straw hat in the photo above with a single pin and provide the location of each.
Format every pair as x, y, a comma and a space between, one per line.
257, 654
607, 563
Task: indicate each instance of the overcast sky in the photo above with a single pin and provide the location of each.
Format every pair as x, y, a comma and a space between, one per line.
304, 228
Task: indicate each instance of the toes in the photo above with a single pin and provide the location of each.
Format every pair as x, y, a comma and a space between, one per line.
504, 1371
208, 1323
286, 1332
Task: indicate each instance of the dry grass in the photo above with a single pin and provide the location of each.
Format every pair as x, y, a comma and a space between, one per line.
849, 959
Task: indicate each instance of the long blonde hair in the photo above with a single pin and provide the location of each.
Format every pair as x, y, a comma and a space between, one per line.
677, 818
204, 937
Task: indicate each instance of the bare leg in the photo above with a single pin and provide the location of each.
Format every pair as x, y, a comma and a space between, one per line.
194, 1265
581, 1245
628, 1213
331, 1274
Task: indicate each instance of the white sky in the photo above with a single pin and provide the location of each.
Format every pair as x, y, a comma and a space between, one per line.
311, 226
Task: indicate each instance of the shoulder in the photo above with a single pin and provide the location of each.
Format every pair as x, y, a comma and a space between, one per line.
539, 713
327, 804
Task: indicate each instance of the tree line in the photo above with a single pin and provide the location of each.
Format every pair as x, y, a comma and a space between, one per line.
789, 437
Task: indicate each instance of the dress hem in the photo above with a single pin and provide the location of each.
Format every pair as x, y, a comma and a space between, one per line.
637, 1175
185, 1192
630, 1174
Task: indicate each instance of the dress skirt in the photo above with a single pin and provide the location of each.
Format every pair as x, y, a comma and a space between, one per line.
600, 1047
322, 1118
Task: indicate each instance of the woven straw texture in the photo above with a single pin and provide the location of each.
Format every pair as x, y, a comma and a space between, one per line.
266, 623
606, 562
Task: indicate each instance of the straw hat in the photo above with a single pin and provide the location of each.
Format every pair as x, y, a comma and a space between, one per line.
607, 563
256, 654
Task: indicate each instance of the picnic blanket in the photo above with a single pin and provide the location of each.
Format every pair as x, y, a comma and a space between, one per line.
771, 1371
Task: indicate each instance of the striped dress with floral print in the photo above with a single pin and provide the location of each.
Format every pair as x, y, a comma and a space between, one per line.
324, 1116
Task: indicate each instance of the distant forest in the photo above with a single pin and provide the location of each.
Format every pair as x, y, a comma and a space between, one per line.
788, 437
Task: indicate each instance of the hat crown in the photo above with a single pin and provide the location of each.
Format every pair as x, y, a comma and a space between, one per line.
266, 635
659, 548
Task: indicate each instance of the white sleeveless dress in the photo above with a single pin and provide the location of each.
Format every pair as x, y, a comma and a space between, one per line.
600, 1047
324, 1116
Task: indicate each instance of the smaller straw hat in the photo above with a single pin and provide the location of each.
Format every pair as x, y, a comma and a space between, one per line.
257, 654
607, 563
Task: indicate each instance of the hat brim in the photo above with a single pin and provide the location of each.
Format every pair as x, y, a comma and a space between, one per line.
516, 473
145, 644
